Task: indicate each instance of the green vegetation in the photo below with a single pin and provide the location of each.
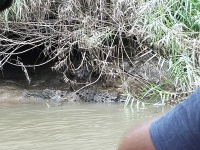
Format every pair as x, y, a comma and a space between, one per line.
105, 33
172, 30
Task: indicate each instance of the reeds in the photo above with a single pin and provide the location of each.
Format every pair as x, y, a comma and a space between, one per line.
171, 28
99, 34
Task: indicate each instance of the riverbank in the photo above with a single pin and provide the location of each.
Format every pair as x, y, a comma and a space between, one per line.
51, 86
147, 46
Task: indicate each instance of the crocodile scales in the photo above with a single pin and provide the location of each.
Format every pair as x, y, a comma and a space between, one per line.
59, 97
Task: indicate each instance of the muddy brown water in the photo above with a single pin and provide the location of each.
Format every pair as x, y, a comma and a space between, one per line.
30, 124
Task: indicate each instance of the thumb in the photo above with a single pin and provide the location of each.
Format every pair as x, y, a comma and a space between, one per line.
4, 4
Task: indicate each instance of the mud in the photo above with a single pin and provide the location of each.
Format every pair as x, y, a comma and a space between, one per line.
53, 87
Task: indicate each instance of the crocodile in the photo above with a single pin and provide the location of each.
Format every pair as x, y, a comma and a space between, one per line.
58, 97
98, 96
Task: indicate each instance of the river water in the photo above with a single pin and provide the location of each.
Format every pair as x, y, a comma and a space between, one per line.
31, 124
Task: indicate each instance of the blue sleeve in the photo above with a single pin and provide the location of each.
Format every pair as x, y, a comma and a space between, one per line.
179, 129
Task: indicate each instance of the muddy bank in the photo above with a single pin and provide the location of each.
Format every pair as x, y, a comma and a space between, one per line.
56, 88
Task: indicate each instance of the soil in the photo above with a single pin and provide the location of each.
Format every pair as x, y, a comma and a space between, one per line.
108, 88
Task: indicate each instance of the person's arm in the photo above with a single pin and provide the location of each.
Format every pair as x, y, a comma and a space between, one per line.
179, 129
137, 139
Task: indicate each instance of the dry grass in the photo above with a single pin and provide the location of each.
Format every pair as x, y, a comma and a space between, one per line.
95, 35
